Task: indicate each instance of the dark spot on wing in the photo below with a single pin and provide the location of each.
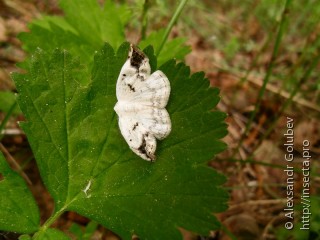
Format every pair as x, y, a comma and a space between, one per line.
135, 126
143, 70
142, 149
141, 78
137, 57
131, 88
124, 75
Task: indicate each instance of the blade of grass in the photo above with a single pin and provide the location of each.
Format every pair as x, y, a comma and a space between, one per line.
228, 232
255, 60
171, 24
144, 18
303, 58
281, 29
287, 103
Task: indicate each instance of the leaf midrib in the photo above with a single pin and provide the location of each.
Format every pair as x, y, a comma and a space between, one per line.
66, 120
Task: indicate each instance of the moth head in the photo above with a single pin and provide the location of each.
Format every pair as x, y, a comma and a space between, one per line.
137, 58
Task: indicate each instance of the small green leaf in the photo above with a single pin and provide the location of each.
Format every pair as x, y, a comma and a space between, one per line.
173, 49
7, 99
90, 229
24, 237
51, 234
88, 167
86, 233
18, 210
76, 230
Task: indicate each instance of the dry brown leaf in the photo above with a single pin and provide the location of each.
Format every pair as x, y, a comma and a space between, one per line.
308, 130
15, 26
243, 226
3, 31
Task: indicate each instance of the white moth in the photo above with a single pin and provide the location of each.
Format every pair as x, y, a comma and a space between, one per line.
141, 105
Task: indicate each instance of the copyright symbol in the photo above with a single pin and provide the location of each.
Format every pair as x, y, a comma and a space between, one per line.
288, 225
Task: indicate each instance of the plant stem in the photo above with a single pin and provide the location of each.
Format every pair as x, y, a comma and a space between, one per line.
170, 25
269, 70
144, 19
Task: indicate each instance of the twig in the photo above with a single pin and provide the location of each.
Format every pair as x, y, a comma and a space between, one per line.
270, 224
258, 202
274, 89
15, 164
286, 95
12, 132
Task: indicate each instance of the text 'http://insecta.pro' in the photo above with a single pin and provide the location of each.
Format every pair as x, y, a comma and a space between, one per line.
142, 99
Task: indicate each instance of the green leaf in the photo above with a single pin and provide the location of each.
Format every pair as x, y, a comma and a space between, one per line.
173, 49
87, 25
24, 237
52, 32
85, 234
18, 210
7, 99
90, 229
87, 165
94, 23
76, 230
83, 30
51, 234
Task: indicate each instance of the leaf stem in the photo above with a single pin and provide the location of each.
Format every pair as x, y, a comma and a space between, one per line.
52, 219
170, 25
56, 215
